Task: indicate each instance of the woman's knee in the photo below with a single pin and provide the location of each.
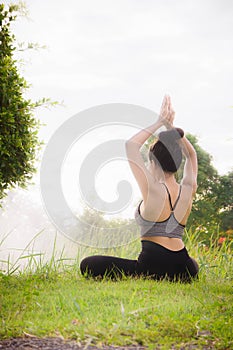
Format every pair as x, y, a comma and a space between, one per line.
85, 265
193, 267
94, 266
195, 264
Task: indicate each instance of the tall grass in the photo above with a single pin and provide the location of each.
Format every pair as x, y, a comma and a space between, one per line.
215, 260
30, 261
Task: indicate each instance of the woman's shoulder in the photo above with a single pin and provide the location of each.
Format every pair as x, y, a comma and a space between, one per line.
155, 188
155, 193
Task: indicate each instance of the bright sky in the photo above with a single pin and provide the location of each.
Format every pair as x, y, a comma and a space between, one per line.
133, 51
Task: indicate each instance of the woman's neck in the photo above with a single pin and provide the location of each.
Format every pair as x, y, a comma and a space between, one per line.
170, 178
162, 176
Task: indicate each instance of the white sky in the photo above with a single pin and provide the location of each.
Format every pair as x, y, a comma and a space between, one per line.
134, 51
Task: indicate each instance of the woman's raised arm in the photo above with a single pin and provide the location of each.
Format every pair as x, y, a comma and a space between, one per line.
133, 145
136, 162
191, 166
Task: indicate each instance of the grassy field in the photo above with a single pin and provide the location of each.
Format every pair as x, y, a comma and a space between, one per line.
52, 299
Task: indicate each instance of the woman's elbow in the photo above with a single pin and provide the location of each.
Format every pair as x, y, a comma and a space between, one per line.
131, 145
194, 186
127, 145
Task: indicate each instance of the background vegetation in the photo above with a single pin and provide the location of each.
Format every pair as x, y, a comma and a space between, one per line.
19, 143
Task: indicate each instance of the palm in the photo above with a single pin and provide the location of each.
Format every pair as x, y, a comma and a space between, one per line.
167, 114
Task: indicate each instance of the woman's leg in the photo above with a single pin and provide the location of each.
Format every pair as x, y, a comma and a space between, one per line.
109, 266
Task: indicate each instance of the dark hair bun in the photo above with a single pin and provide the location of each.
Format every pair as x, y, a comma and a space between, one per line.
171, 136
167, 150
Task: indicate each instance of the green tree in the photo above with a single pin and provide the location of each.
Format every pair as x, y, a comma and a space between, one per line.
224, 201
97, 230
19, 142
204, 205
213, 204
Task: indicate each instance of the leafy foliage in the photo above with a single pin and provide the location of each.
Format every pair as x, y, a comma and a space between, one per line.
99, 231
224, 200
19, 142
213, 204
204, 208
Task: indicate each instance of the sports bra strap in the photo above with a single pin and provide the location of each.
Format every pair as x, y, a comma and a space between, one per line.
169, 197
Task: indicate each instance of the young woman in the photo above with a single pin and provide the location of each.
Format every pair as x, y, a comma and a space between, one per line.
164, 209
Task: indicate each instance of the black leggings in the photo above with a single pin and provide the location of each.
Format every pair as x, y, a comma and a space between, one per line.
154, 261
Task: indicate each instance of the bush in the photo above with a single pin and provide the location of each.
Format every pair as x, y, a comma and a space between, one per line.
19, 143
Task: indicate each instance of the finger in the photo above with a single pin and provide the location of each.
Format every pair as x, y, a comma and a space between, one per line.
166, 109
170, 107
169, 103
163, 107
164, 102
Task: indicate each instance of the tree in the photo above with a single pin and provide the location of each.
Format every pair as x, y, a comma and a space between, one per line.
19, 142
213, 204
204, 208
224, 201
99, 231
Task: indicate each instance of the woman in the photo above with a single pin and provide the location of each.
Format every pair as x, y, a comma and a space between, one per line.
164, 209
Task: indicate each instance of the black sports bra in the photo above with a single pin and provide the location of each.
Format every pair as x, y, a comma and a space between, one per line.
168, 228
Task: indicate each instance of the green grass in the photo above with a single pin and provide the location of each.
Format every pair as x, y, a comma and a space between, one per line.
51, 299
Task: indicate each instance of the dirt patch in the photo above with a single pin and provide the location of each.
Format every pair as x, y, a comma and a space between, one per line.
54, 344
34, 343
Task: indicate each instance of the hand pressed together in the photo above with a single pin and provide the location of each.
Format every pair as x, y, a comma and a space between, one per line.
167, 113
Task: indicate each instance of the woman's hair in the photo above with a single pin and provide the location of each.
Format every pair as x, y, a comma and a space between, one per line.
167, 151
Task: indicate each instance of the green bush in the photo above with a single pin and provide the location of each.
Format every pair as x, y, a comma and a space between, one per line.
19, 142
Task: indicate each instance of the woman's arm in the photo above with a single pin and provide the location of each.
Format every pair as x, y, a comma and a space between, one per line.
136, 162
191, 166
133, 145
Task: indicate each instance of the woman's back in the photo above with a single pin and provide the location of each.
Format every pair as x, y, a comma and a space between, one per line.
166, 210
158, 207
